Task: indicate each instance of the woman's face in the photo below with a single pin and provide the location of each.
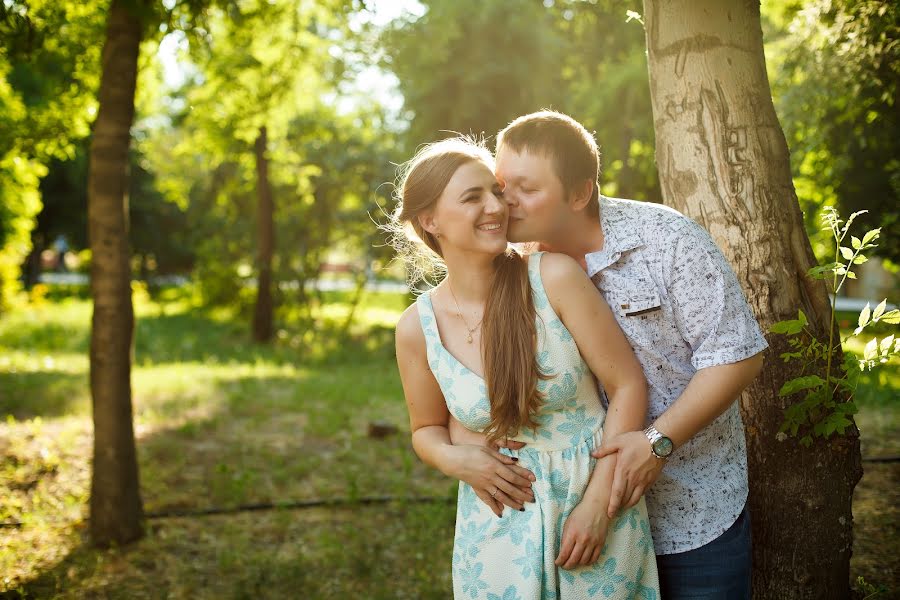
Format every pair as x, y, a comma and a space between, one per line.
471, 215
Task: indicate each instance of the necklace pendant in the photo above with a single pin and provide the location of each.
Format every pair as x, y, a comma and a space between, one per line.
469, 338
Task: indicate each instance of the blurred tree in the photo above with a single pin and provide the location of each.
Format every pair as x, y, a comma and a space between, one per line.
723, 160
485, 62
835, 71
115, 503
262, 63
273, 67
116, 508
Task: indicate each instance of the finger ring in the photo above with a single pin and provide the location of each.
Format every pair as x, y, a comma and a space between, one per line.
494, 493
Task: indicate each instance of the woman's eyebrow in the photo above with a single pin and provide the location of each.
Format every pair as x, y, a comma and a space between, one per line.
477, 188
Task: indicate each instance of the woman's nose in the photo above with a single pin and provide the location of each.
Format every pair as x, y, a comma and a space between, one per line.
494, 205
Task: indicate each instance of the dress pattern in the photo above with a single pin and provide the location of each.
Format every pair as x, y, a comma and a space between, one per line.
511, 558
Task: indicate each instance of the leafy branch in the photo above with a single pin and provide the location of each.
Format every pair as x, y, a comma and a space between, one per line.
824, 411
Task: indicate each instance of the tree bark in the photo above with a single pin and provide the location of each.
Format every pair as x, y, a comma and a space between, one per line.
723, 160
262, 315
115, 505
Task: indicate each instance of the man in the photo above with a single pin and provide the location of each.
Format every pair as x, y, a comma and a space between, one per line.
681, 307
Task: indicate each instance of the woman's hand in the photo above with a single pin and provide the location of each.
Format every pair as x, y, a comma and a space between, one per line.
583, 536
496, 478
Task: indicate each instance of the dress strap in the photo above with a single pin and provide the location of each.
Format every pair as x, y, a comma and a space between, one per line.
426, 316
538, 293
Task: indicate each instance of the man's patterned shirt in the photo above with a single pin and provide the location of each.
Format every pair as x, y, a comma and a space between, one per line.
681, 307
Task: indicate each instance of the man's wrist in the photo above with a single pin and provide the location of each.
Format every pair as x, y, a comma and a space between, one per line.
661, 445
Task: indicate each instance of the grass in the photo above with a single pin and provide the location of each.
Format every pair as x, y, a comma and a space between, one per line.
222, 422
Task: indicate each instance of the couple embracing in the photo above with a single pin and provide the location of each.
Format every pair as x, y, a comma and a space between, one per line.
581, 385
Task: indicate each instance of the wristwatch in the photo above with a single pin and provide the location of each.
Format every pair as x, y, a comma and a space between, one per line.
660, 445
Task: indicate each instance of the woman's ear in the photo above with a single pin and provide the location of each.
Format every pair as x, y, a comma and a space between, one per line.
426, 220
582, 194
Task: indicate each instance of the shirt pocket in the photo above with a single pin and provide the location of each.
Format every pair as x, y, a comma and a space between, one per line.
639, 313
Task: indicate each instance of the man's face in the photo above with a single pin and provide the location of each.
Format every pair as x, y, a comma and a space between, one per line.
537, 202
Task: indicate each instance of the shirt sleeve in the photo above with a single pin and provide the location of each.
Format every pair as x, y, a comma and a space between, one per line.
710, 309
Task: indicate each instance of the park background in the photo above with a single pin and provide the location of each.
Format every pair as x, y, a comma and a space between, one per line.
272, 442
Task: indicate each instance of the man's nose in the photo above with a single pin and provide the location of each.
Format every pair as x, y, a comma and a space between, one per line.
510, 198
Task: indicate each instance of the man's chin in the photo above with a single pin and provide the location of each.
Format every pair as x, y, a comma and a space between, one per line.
516, 233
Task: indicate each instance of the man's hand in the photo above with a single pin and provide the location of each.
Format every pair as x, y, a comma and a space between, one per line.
636, 468
583, 536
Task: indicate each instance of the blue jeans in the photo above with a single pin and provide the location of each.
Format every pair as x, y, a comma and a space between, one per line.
720, 570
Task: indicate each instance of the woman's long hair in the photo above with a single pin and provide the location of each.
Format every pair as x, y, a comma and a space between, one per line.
509, 334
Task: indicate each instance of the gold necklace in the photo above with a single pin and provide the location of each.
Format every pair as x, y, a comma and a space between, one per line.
469, 337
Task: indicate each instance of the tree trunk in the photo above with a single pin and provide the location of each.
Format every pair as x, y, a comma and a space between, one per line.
262, 315
116, 510
723, 160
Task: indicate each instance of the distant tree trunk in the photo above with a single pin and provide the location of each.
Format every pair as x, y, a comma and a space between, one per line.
723, 160
116, 510
262, 315
31, 271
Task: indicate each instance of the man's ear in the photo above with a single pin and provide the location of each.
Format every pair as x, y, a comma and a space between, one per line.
581, 195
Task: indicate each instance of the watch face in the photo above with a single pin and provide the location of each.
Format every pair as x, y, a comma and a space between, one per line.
663, 447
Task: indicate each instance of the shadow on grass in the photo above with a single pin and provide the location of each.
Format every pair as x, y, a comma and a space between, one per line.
44, 393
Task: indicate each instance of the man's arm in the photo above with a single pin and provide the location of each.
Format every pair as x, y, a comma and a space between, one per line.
709, 394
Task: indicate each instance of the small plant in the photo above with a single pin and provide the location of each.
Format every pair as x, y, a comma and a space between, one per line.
828, 402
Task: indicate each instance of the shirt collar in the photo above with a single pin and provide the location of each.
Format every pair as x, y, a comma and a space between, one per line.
619, 236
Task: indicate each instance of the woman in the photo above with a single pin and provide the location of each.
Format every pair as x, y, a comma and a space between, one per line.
499, 343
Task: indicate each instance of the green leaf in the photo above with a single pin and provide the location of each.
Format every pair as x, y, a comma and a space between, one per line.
891, 317
886, 343
860, 259
847, 253
879, 310
852, 218
840, 423
848, 408
801, 383
871, 349
851, 275
871, 235
801, 316
806, 441
822, 271
854, 241
864, 316
789, 327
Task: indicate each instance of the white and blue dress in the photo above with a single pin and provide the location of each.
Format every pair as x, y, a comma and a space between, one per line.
511, 558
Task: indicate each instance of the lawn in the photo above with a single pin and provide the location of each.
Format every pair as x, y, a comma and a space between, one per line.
223, 424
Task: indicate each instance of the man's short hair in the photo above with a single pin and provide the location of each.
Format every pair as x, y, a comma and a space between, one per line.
570, 146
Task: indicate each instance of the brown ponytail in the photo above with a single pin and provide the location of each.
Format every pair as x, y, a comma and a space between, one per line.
508, 344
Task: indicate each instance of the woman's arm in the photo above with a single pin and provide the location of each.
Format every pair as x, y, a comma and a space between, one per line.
607, 352
483, 468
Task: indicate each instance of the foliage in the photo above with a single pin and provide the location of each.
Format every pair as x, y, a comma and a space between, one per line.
46, 102
835, 71
581, 58
827, 404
